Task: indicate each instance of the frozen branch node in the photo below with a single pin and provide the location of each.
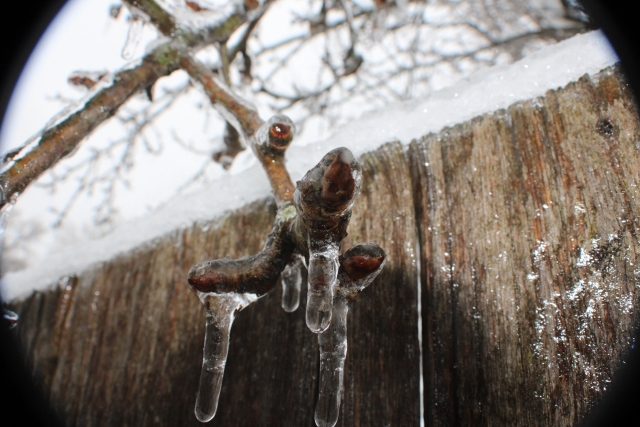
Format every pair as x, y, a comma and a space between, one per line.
275, 136
323, 199
325, 195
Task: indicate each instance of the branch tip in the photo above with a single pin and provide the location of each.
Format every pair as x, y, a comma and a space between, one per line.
275, 136
359, 266
328, 190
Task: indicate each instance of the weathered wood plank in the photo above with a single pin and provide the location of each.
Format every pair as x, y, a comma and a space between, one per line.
382, 370
527, 222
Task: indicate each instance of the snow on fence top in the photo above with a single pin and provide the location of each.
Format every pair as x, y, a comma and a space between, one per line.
485, 91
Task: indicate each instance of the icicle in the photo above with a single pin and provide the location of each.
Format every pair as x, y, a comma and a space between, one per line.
9, 318
333, 351
221, 310
323, 271
359, 266
133, 37
291, 279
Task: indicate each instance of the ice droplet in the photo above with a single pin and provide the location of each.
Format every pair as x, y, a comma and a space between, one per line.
9, 318
221, 311
133, 37
333, 351
291, 281
323, 271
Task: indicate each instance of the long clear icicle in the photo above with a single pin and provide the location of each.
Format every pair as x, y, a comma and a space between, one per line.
221, 310
323, 271
333, 351
291, 279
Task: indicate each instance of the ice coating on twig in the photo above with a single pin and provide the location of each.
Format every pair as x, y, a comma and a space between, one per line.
291, 279
323, 272
133, 37
275, 134
333, 351
197, 16
221, 311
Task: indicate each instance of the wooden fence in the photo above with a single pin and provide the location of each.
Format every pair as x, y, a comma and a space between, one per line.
516, 234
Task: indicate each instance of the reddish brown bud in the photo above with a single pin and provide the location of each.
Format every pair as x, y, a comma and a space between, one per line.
357, 267
360, 265
87, 80
251, 4
280, 135
195, 6
324, 196
275, 135
338, 182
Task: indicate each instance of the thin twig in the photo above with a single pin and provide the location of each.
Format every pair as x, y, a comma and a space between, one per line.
63, 138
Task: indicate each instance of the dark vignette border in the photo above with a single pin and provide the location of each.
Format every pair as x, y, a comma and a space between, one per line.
21, 25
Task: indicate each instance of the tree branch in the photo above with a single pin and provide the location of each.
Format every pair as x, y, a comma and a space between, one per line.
242, 114
269, 145
58, 141
166, 23
256, 274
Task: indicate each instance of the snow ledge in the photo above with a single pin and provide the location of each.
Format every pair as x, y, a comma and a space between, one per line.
488, 90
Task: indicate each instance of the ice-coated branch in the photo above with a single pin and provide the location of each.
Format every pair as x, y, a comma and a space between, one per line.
32, 160
269, 140
320, 217
313, 226
157, 15
235, 109
242, 117
269, 145
241, 46
256, 274
358, 267
166, 23
323, 199
232, 141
